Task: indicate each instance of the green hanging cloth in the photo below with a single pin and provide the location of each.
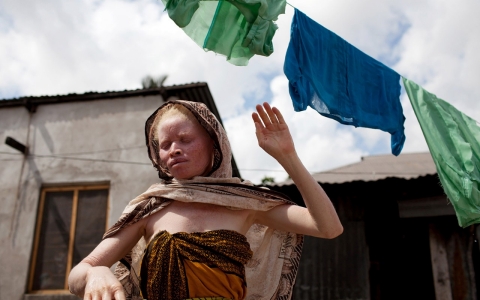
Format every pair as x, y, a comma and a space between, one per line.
237, 29
454, 142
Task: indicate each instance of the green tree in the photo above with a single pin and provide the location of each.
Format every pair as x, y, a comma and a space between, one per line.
149, 82
267, 180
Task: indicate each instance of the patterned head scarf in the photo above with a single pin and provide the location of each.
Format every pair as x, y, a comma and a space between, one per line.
222, 153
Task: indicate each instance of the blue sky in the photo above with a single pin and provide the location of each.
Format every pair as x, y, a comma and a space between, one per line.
58, 47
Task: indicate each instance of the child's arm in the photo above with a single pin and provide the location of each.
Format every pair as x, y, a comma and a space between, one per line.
92, 278
319, 218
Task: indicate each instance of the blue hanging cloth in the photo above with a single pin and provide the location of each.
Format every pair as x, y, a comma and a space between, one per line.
341, 82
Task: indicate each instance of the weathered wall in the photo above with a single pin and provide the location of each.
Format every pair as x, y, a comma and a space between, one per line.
101, 129
338, 268
14, 123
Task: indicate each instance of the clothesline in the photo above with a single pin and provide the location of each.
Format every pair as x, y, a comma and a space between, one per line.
341, 82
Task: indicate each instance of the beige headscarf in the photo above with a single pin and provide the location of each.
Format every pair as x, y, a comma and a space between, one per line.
271, 272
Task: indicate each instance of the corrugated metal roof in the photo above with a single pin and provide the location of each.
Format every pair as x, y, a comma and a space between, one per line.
198, 92
377, 167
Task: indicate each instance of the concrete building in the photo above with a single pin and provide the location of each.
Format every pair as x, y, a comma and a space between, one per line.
85, 158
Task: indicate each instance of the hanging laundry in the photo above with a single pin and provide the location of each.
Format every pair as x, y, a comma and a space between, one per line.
341, 82
454, 142
237, 29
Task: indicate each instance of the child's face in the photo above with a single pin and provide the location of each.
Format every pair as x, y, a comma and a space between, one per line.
185, 148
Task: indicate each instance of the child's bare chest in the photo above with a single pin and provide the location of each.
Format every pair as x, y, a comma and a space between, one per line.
197, 217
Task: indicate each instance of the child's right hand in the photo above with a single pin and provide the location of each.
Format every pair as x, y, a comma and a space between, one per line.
102, 285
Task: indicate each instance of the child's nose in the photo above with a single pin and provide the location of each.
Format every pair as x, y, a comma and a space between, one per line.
175, 150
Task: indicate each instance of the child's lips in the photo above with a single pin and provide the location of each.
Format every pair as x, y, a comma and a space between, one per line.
177, 161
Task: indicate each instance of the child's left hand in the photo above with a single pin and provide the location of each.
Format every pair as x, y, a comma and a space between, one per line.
272, 132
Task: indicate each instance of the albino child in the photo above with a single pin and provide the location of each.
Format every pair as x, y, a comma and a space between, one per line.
201, 233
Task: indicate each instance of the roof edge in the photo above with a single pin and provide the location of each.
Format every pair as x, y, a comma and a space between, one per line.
31, 102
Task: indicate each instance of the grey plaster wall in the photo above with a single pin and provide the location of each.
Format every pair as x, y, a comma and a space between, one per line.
59, 136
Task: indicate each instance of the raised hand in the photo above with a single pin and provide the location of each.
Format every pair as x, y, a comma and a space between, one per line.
319, 218
272, 132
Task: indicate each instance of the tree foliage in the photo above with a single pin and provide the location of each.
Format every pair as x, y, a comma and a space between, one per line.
267, 180
150, 82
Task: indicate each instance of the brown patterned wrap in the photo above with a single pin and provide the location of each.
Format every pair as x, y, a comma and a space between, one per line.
163, 273
271, 271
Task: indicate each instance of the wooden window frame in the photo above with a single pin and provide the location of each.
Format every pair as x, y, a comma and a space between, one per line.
76, 189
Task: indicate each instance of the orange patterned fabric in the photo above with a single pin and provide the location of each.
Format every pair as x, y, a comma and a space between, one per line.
165, 276
204, 280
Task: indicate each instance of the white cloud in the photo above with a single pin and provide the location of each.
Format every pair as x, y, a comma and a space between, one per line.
440, 52
58, 47
320, 142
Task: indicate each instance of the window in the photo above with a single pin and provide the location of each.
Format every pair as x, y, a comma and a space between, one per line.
70, 223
